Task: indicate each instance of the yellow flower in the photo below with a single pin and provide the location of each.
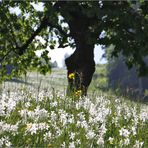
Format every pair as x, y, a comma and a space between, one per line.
115, 114
71, 76
78, 92
111, 140
49, 145
29, 125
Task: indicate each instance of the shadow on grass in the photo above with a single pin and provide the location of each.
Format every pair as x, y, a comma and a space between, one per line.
15, 80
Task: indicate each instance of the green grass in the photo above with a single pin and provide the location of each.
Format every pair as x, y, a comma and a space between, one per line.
37, 113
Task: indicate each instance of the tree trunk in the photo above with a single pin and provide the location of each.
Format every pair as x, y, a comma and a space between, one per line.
80, 65
80, 69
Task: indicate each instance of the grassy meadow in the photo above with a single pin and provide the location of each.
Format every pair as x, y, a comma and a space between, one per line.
36, 113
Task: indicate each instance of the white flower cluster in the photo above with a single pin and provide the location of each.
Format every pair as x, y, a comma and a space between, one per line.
36, 114
5, 142
5, 127
124, 132
46, 118
34, 127
7, 105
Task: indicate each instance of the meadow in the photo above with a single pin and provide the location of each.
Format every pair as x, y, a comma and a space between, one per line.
35, 112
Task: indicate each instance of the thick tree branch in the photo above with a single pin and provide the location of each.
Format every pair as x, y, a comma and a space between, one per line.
45, 22
23, 48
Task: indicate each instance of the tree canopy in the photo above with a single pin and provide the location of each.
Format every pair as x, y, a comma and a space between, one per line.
121, 23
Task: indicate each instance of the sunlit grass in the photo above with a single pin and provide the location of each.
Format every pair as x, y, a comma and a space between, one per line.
41, 115
53, 119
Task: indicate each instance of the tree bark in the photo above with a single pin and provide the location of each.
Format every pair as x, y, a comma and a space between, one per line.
81, 64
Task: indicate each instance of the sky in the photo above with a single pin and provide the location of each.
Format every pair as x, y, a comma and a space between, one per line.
59, 53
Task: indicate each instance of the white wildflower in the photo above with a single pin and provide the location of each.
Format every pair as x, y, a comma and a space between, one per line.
54, 104
47, 136
32, 115
84, 124
92, 110
43, 126
110, 139
144, 115
72, 135
126, 141
138, 144
37, 114
23, 113
63, 117
81, 116
124, 132
90, 134
58, 131
86, 103
115, 120
63, 145
40, 113
78, 105
102, 129
53, 116
71, 119
129, 115
99, 118
72, 145
11, 105
4, 96
8, 127
27, 104
100, 141
32, 128
78, 142
2, 107
134, 130
5, 142
41, 96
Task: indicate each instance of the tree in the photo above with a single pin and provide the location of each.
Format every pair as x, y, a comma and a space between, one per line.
75, 24
120, 77
54, 64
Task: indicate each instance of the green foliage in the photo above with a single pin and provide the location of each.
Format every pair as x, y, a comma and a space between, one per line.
125, 27
146, 92
100, 78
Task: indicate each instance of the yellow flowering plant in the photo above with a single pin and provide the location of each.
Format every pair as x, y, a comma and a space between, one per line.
78, 92
71, 76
